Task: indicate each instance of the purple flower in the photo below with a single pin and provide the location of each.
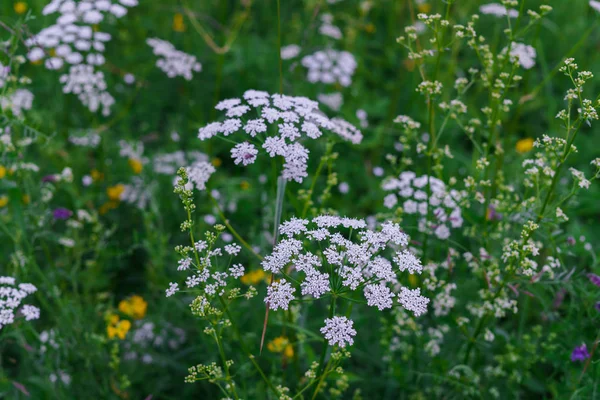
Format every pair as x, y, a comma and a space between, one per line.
492, 214
62, 213
49, 178
597, 306
580, 353
595, 279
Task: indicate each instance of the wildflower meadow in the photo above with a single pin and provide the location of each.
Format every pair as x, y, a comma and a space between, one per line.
299, 199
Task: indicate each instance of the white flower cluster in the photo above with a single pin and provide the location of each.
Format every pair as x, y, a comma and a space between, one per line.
294, 117
87, 139
328, 29
342, 266
290, 51
199, 173
525, 54
19, 100
73, 40
89, 11
11, 297
4, 73
211, 277
147, 336
172, 61
443, 204
331, 100
498, 10
89, 86
137, 193
169, 163
330, 66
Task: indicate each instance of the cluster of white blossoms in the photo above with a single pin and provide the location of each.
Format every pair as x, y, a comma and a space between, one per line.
330, 67
11, 297
4, 74
89, 11
317, 259
86, 139
89, 86
328, 29
331, 100
292, 117
172, 61
74, 40
148, 336
290, 51
443, 205
169, 163
17, 101
525, 54
208, 268
498, 10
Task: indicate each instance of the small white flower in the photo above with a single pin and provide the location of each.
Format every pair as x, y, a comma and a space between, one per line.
339, 330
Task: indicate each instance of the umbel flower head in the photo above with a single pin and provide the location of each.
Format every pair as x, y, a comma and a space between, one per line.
292, 118
173, 62
11, 297
412, 191
341, 257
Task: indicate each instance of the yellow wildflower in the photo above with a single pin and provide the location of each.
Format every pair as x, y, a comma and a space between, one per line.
253, 277
245, 185
281, 344
370, 28
2, 171
3, 201
20, 7
114, 192
136, 165
178, 24
117, 328
424, 8
26, 199
217, 162
524, 145
134, 306
96, 175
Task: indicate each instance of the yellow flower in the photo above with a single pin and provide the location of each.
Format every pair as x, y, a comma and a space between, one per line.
117, 328
113, 319
524, 145
136, 165
281, 345
253, 277
3, 201
217, 162
20, 7
96, 175
178, 25
424, 8
114, 192
135, 307
2, 171
244, 185
104, 208
26, 199
370, 28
